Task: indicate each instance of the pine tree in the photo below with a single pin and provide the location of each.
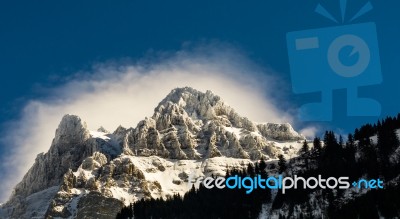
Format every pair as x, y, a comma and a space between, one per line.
387, 140
379, 125
341, 143
349, 155
262, 165
282, 163
350, 141
304, 149
250, 170
357, 134
398, 121
331, 160
369, 158
317, 146
256, 168
387, 143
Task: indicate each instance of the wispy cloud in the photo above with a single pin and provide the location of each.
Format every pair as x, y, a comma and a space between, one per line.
113, 94
309, 132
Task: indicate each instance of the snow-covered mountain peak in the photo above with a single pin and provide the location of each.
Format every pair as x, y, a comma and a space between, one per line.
190, 94
71, 129
188, 127
196, 104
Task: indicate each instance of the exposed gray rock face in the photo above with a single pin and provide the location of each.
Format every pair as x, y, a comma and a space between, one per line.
280, 132
71, 145
189, 124
94, 162
98, 177
68, 149
102, 129
95, 206
90, 170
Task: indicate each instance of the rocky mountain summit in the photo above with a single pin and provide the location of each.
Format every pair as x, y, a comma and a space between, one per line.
92, 174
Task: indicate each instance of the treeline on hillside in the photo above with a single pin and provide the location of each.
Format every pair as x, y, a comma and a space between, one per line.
206, 203
356, 157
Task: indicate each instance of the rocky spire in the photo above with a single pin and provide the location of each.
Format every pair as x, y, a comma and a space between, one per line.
71, 130
69, 147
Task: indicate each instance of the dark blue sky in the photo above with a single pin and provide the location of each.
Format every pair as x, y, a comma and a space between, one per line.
41, 43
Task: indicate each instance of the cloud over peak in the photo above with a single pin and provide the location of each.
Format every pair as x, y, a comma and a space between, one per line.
114, 94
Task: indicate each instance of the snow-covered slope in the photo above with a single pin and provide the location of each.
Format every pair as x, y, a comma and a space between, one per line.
190, 134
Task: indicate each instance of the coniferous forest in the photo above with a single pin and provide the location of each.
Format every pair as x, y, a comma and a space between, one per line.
358, 156
206, 203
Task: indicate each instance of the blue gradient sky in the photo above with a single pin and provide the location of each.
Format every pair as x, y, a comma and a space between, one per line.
43, 43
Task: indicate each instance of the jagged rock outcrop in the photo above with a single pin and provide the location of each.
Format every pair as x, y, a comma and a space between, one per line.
185, 120
69, 147
67, 151
280, 132
100, 178
96, 206
82, 166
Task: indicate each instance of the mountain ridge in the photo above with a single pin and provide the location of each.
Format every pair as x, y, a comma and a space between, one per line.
186, 125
